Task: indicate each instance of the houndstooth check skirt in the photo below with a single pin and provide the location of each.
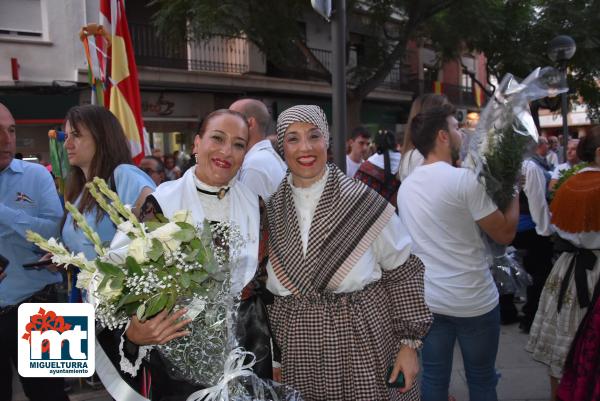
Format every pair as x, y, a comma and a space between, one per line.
338, 347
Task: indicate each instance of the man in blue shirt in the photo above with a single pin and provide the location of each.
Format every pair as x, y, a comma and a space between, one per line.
28, 200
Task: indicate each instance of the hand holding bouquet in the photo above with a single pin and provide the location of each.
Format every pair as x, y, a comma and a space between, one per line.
162, 262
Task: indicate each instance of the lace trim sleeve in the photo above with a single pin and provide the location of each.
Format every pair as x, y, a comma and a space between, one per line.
130, 362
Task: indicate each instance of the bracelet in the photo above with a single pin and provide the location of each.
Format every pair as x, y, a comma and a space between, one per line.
412, 343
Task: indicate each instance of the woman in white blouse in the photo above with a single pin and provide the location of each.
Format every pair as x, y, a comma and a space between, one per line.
348, 293
211, 192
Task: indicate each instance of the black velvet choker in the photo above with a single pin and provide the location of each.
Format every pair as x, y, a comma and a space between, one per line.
219, 194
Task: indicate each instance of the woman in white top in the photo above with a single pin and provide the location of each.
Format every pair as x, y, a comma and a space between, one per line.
211, 192
348, 293
411, 157
575, 276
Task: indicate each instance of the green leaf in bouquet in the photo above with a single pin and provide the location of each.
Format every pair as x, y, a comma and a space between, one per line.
156, 250
192, 255
133, 265
185, 226
156, 304
161, 218
109, 269
130, 298
210, 264
103, 282
171, 301
153, 225
131, 308
196, 243
116, 282
185, 234
199, 276
185, 280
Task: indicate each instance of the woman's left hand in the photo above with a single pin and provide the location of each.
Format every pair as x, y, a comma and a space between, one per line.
406, 362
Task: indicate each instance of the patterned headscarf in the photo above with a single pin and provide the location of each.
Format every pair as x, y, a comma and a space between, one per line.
303, 113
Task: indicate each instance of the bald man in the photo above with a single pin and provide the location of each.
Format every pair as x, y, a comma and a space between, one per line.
263, 169
28, 200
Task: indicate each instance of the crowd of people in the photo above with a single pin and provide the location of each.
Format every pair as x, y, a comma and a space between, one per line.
372, 274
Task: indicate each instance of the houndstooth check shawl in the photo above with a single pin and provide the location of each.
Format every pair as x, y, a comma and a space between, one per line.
348, 218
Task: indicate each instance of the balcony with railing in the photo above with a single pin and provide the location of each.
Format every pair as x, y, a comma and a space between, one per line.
234, 55
459, 95
218, 54
396, 79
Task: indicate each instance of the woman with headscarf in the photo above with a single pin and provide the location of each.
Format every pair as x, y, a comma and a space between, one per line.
349, 302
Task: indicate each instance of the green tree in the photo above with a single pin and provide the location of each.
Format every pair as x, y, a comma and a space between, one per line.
514, 37
513, 34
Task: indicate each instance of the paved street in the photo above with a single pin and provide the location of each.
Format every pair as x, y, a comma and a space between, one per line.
522, 379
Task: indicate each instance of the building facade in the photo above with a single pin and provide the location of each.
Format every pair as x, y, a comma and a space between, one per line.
43, 73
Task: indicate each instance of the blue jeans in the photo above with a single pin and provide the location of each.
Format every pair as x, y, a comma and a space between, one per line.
478, 340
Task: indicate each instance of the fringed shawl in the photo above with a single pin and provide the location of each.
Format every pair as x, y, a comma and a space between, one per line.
348, 218
576, 205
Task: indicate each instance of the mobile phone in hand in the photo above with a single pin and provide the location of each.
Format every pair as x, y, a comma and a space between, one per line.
3, 263
399, 380
39, 263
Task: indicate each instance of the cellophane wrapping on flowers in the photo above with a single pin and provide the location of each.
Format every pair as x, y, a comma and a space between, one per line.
497, 148
509, 275
505, 128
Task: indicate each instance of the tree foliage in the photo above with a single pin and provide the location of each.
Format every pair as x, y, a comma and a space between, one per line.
513, 34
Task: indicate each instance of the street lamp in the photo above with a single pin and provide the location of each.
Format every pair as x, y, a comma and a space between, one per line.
560, 50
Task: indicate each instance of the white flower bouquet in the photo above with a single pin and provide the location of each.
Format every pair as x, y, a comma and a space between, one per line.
163, 261
505, 127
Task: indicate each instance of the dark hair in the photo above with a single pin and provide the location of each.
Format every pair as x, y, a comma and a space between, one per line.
360, 131
216, 113
112, 149
586, 150
384, 143
420, 105
425, 126
160, 164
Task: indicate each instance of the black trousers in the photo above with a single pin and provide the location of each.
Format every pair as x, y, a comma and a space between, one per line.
537, 261
36, 389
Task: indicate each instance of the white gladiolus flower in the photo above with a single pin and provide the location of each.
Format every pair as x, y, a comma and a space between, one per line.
165, 235
126, 227
183, 216
138, 249
108, 293
83, 279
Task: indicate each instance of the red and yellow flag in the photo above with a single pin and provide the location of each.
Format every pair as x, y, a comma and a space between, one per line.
479, 96
438, 87
122, 92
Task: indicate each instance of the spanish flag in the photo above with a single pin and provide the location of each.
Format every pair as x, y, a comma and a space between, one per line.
479, 96
438, 87
122, 92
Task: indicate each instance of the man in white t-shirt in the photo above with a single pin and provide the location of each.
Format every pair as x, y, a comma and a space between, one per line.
263, 169
359, 148
445, 209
